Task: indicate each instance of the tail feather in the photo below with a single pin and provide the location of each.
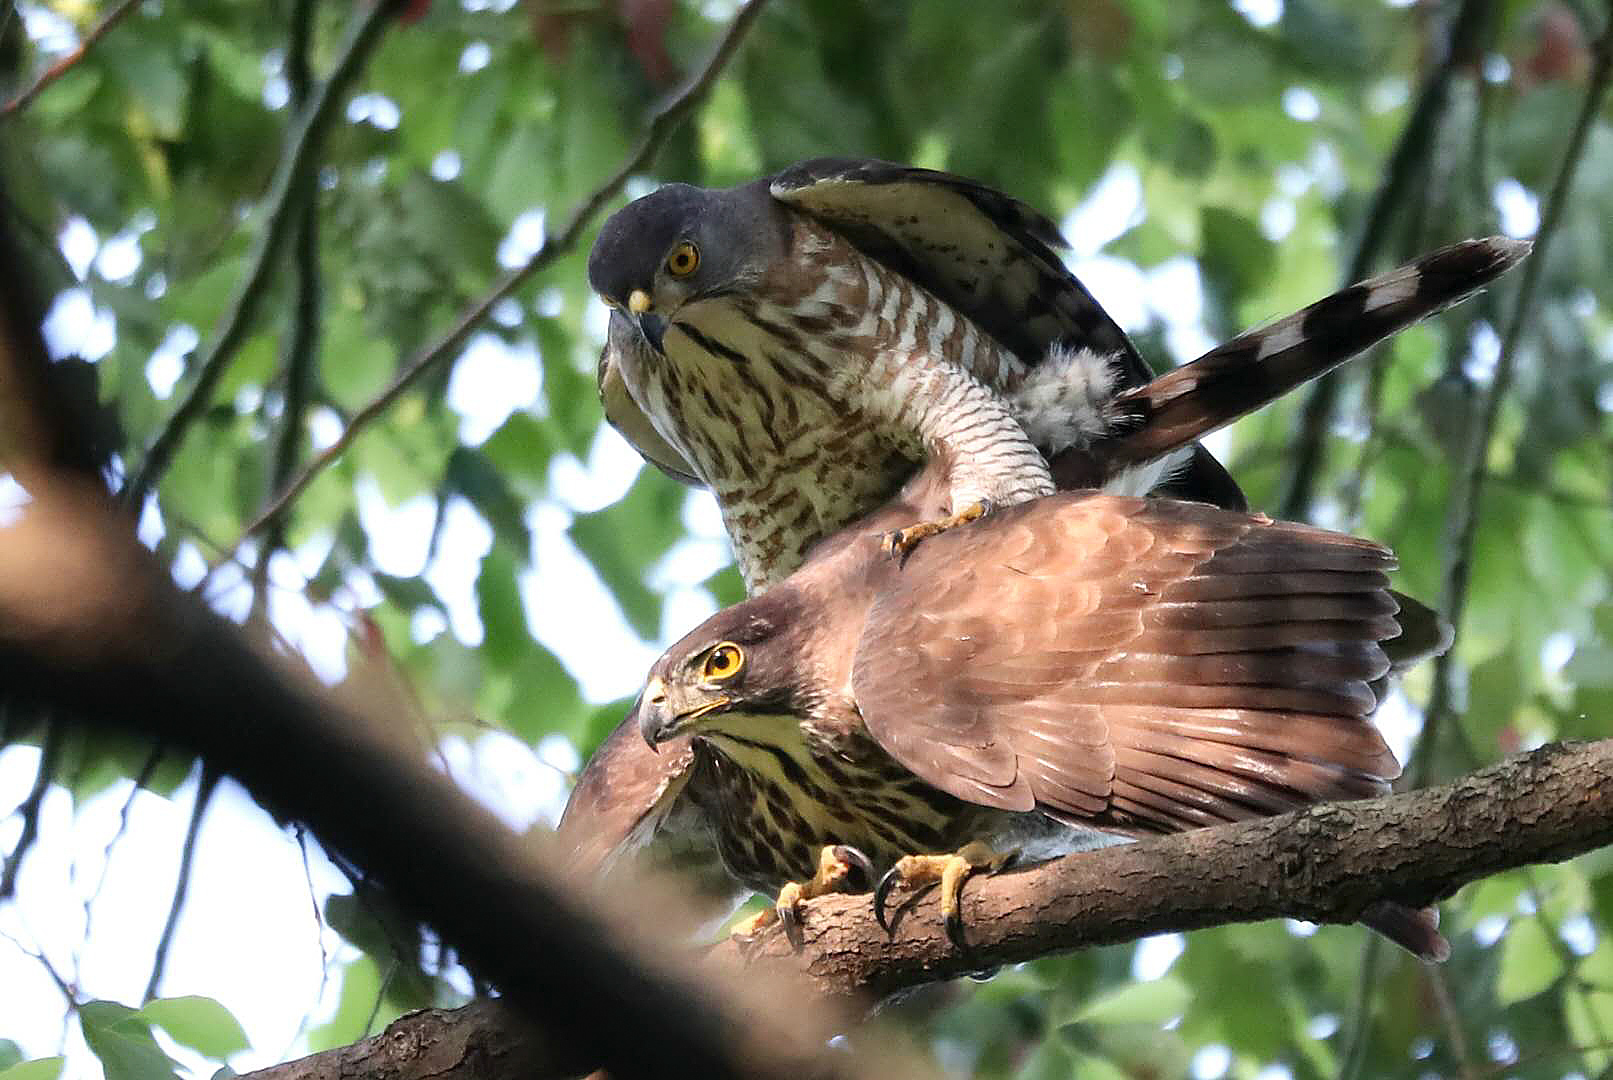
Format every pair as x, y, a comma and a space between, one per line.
1414, 929
1261, 365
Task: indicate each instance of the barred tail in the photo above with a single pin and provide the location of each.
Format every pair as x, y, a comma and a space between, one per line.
1259, 366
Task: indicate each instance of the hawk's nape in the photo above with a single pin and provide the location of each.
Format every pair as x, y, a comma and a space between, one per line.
1071, 667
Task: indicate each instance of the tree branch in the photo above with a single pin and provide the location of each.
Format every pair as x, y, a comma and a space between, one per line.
90, 622
68, 62
29, 808
663, 121
206, 785
301, 345
1324, 864
308, 130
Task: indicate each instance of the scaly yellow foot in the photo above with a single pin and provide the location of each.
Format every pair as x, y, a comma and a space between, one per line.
835, 864
903, 541
950, 871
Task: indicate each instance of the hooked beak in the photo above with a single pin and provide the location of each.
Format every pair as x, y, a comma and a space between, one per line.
657, 720
651, 325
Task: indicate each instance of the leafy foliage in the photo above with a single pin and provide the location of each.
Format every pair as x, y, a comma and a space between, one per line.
1254, 136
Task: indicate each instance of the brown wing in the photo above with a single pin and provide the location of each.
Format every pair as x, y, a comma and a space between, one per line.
1144, 665
624, 792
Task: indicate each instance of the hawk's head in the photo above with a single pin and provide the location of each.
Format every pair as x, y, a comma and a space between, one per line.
739, 666
682, 244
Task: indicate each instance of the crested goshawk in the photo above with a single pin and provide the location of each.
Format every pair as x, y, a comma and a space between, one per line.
1069, 669
801, 343
672, 805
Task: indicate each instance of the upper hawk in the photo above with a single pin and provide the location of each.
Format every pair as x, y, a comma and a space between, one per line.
802, 342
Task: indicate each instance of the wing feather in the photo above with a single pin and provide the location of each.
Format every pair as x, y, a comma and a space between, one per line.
991, 257
1144, 665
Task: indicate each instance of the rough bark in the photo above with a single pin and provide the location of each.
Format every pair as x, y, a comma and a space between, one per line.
1324, 864
485, 1040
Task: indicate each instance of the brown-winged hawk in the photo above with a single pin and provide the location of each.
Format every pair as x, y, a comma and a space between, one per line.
631, 800
1074, 667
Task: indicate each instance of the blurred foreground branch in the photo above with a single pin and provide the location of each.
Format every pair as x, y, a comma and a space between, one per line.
91, 625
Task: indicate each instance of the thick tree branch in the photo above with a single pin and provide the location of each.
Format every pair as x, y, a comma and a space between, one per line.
662, 122
1324, 864
90, 623
308, 131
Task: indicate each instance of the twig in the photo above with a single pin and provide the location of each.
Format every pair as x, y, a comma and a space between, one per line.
663, 121
1452, 1020
66, 63
50, 750
1409, 153
205, 787
140, 781
301, 832
1366, 989
302, 343
308, 129
56, 977
1468, 489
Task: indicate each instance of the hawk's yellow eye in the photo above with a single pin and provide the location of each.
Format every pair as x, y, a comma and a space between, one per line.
723, 662
683, 260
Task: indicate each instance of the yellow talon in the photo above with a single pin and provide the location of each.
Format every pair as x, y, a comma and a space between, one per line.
835, 863
902, 541
950, 871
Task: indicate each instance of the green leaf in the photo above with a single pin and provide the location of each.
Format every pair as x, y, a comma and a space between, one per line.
1151, 1002
473, 476
1235, 254
200, 1023
1530, 962
119, 1036
498, 600
626, 538
361, 989
38, 1069
546, 699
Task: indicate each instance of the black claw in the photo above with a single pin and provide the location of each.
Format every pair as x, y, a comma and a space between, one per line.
854, 858
790, 917
954, 923
883, 890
